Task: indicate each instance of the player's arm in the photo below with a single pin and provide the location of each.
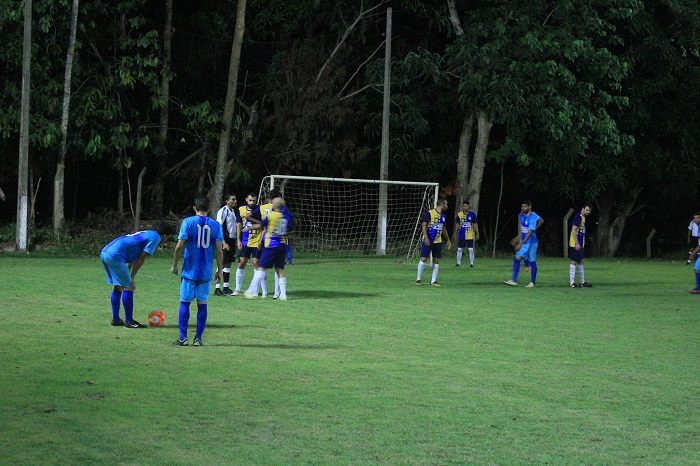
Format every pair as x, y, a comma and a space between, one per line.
475, 226
136, 265
219, 262
574, 233
446, 238
457, 228
255, 216
426, 238
540, 221
179, 247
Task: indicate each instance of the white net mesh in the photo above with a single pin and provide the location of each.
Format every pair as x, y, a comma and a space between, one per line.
339, 217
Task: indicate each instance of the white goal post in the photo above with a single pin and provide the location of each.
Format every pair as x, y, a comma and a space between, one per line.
343, 217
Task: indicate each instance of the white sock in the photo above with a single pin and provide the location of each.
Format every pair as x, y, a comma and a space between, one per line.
283, 287
572, 274
257, 277
580, 273
277, 284
459, 255
471, 256
421, 266
239, 278
218, 285
263, 284
436, 267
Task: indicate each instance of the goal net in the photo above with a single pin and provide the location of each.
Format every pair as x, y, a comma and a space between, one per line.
347, 217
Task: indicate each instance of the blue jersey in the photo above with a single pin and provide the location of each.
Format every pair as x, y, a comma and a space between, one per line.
202, 234
436, 222
580, 222
528, 222
465, 221
276, 226
128, 248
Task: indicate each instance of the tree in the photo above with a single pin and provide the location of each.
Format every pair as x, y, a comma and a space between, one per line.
58, 190
22, 178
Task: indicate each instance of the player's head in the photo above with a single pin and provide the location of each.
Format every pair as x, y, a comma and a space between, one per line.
230, 200
277, 204
441, 205
201, 204
586, 209
526, 206
165, 230
696, 217
274, 193
251, 199
466, 206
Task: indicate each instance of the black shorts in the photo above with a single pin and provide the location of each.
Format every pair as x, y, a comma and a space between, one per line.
574, 255
248, 252
230, 254
469, 243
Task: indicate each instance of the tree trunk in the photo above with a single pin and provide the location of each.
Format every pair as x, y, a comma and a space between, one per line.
23, 164
613, 213
139, 191
479, 162
159, 182
59, 179
223, 164
462, 180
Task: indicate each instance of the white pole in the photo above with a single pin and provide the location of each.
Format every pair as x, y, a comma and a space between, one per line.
384, 164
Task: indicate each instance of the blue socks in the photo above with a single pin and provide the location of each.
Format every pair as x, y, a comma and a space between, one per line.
183, 319
697, 280
533, 271
128, 301
516, 269
116, 301
201, 320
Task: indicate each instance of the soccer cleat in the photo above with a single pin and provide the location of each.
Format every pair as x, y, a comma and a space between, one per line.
458, 265
283, 298
418, 283
117, 323
572, 285
227, 291
197, 342
435, 284
218, 292
530, 285
694, 291
133, 324
586, 285
179, 342
275, 296
471, 266
235, 293
250, 295
511, 283
264, 296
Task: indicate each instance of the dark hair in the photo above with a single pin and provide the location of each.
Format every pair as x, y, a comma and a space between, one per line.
228, 196
587, 204
275, 193
165, 229
201, 203
255, 195
527, 202
696, 213
466, 201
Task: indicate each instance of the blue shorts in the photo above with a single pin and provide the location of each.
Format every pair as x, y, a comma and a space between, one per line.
576, 256
273, 258
116, 269
528, 251
435, 248
248, 252
194, 289
697, 263
465, 242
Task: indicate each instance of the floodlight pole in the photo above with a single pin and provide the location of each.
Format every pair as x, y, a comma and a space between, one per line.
384, 164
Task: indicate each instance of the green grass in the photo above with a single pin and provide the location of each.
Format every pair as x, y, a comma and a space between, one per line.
359, 366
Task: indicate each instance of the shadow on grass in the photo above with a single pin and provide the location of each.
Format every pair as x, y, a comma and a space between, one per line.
326, 294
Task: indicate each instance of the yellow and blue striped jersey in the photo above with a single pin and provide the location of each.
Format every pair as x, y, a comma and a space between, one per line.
436, 222
258, 213
580, 222
276, 226
466, 221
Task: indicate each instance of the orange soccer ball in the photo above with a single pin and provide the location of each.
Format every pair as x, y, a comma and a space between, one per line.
156, 319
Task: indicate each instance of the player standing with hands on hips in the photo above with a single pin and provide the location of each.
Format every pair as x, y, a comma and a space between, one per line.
201, 238
433, 234
525, 243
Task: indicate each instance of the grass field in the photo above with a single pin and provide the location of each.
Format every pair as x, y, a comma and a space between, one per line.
359, 366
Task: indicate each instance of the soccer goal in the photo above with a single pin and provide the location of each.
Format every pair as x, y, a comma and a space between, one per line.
349, 217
